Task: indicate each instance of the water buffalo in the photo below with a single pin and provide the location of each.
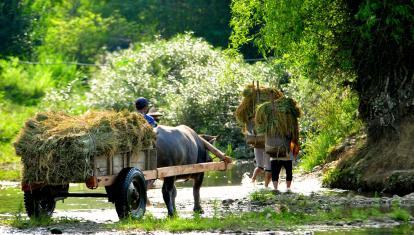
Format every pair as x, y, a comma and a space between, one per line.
180, 146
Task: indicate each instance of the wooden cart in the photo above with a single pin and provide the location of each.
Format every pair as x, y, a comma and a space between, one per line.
124, 177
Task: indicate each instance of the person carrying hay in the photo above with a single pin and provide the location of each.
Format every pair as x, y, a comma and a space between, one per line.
141, 104
262, 162
278, 120
254, 95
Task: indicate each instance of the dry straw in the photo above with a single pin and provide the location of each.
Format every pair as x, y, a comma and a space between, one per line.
252, 97
57, 148
278, 117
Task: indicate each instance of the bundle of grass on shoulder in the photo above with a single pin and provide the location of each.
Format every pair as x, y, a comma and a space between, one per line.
252, 97
278, 117
56, 148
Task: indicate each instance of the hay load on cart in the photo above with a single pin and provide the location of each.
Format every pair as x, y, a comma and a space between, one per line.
58, 149
117, 150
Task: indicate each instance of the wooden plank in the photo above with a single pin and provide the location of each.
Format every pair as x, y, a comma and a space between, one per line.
192, 168
171, 171
150, 174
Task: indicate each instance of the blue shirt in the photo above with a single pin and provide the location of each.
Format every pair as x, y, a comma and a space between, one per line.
150, 120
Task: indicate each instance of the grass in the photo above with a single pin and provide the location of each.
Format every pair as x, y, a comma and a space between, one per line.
21, 222
11, 199
12, 118
318, 148
283, 213
334, 117
13, 175
7, 154
400, 215
268, 218
262, 195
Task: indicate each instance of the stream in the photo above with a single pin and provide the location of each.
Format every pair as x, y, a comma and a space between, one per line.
219, 188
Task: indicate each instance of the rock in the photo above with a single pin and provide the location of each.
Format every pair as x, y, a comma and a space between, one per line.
409, 196
228, 201
55, 231
317, 168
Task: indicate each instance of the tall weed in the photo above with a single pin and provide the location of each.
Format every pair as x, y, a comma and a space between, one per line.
22, 88
330, 114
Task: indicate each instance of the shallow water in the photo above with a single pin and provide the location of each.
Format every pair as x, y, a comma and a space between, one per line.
217, 186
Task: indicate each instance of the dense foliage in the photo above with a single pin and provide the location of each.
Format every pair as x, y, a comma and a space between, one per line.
57, 34
340, 45
84, 29
331, 39
189, 80
104, 54
381, 44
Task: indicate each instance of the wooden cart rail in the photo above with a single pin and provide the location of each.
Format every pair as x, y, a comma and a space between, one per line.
163, 172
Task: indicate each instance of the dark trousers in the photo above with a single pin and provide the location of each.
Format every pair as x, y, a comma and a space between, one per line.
277, 166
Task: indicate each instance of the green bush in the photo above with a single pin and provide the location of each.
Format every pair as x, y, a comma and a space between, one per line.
12, 118
22, 88
400, 214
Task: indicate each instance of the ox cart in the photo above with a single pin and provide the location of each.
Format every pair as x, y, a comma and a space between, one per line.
124, 176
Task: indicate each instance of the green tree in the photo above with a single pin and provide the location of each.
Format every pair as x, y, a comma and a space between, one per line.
207, 19
322, 39
14, 27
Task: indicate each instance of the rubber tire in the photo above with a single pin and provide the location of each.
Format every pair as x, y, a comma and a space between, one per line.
131, 198
37, 206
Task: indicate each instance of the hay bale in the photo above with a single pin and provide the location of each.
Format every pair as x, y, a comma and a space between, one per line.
278, 117
57, 148
252, 97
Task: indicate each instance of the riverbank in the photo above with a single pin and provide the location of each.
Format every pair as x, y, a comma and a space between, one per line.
384, 166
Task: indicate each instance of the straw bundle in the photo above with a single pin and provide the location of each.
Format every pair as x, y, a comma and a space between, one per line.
253, 96
279, 117
57, 148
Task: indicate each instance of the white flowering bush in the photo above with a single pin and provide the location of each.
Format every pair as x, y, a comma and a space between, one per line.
154, 70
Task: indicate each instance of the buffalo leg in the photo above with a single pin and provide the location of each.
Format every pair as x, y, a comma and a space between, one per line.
169, 192
198, 180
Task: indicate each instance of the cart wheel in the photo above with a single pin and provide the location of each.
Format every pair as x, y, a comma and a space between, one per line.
37, 206
132, 194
